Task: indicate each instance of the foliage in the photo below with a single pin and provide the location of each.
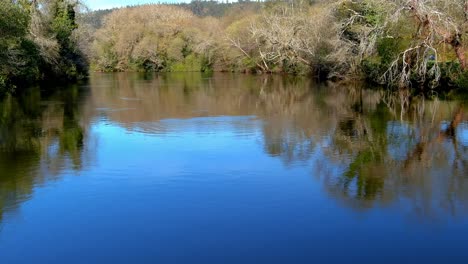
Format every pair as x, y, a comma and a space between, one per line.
38, 43
172, 39
461, 82
402, 43
13, 28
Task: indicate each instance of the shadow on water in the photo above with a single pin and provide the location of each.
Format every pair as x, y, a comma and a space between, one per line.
367, 147
41, 136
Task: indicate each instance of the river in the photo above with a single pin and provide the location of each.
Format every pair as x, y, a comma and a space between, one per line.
226, 168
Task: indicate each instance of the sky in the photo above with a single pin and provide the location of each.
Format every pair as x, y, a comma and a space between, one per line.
106, 4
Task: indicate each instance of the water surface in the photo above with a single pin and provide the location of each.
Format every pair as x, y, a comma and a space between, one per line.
192, 168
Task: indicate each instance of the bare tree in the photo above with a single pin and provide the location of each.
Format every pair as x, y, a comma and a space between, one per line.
436, 23
289, 35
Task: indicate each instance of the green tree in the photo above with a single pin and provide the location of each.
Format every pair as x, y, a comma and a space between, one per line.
72, 62
38, 42
18, 55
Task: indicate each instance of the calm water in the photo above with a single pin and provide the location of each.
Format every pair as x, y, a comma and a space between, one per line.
230, 169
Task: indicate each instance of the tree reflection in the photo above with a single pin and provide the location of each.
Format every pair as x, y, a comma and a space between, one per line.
367, 147
39, 137
409, 153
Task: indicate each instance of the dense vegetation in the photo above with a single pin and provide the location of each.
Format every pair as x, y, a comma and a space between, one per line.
418, 43
38, 43
399, 43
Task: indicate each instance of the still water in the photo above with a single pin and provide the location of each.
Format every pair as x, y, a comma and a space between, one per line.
188, 168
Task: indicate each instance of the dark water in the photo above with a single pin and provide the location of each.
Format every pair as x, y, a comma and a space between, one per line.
231, 169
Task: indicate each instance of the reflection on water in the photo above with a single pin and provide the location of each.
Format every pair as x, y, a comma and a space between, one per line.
366, 149
39, 139
415, 156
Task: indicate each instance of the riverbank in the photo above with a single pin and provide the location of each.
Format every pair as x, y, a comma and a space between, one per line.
341, 40
334, 40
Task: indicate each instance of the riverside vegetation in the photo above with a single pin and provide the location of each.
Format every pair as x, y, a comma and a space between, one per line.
418, 44
39, 42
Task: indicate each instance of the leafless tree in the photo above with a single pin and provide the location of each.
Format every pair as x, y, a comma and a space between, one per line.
437, 23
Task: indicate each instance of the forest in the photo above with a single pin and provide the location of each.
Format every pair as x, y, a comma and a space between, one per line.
419, 44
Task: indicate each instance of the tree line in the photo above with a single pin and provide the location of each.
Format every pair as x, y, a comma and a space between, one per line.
398, 43
402, 43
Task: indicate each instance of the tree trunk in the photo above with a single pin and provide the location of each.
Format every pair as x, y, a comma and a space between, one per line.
460, 51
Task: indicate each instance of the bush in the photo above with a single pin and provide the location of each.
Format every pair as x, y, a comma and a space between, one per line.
3, 85
373, 70
191, 63
461, 82
388, 49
